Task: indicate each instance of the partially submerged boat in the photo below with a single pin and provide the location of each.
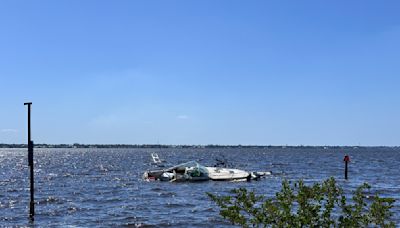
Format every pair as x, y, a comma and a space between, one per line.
193, 171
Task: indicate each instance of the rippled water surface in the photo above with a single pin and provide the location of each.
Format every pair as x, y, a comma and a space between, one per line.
103, 187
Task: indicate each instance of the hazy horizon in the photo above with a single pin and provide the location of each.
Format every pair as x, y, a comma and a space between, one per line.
193, 145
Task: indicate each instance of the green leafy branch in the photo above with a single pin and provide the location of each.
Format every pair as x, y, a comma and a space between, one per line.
299, 205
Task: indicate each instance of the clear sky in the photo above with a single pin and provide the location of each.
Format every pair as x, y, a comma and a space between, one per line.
201, 72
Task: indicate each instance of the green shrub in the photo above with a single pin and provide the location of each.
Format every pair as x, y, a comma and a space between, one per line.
298, 205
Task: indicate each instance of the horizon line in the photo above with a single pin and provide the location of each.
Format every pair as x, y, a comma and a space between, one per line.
187, 145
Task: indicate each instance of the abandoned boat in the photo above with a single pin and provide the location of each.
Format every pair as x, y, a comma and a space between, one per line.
193, 171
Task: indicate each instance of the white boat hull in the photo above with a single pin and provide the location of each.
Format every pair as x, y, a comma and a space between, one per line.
222, 174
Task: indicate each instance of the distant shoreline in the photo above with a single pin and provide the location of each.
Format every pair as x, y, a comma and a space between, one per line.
145, 146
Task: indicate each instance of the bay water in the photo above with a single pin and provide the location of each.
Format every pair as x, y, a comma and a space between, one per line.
104, 187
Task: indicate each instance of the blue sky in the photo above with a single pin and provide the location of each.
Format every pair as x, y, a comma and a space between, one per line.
201, 72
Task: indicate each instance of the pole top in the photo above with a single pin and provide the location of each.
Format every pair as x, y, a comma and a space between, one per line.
27, 103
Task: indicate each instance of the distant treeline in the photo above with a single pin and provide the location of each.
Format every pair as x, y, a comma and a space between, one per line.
77, 145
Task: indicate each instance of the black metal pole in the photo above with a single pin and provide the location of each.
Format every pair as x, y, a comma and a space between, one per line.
30, 162
346, 164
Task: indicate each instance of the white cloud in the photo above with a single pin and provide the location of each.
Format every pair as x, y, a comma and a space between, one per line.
9, 130
183, 117
105, 120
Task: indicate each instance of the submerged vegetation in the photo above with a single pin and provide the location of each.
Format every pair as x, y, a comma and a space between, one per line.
298, 205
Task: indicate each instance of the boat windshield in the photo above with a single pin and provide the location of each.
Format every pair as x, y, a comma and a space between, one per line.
192, 165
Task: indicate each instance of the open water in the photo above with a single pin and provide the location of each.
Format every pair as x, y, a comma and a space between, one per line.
103, 187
